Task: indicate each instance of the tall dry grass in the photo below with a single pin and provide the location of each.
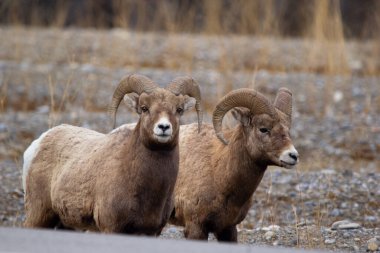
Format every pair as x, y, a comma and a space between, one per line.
326, 23
304, 18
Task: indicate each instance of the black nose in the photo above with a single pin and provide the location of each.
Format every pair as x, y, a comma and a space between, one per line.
163, 127
294, 156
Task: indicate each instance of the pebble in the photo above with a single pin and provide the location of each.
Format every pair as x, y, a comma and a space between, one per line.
346, 235
3, 127
44, 109
271, 228
370, 218
349, 226
329, 241
372, 244
344, 224
172, 230
338, 96
355, 248
269, 235
335, 212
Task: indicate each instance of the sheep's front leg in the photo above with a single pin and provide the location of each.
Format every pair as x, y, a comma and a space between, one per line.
195, 232
228, 234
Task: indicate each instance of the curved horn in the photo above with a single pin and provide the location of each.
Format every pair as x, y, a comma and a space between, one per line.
248, 98
132, 83
283, 102
186, 85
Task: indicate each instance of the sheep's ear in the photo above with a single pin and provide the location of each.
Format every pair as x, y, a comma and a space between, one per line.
132, 101
243, 115
189, 103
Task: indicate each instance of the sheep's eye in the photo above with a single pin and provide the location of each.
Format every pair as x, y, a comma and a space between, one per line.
144, 108
264, 130
179, 110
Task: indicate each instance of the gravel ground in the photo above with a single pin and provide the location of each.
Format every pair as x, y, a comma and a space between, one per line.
67, 77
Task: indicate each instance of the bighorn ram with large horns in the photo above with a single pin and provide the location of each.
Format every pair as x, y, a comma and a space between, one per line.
217, 176
119, 182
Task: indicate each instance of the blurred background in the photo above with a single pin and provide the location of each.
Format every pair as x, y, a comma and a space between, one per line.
301, 18
60, 61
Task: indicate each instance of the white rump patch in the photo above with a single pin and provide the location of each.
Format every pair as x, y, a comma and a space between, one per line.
29, 155
163, 130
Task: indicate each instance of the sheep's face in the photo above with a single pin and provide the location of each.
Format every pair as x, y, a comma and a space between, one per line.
268, 138
160, 112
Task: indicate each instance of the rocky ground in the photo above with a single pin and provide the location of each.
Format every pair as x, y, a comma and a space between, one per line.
48, 77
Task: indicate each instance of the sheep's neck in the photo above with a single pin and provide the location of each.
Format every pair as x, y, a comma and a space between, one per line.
151, 156
243, 173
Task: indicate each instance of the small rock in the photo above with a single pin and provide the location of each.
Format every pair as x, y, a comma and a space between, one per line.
370, 218
329, 241
355, 248
325, 229
3, 127
328, 171
335, 212
373, 244
88, 68
276, 243
271, 228
346, 235
269, 235
172, 230
344, 224
44, 109
349, 226
338, 96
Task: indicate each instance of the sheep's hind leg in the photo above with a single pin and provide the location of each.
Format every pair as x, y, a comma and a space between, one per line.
195, 232
41, 219
228, 234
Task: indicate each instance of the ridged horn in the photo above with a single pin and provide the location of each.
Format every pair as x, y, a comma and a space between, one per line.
248, 98
186, 85
132, 83
283, 102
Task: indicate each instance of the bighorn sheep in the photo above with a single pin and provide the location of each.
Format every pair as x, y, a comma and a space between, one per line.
217, 177
119, 182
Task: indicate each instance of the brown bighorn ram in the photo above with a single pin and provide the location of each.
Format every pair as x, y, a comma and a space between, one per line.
119, 182
217, 177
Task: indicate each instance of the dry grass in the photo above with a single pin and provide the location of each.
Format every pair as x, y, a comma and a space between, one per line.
319, 21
